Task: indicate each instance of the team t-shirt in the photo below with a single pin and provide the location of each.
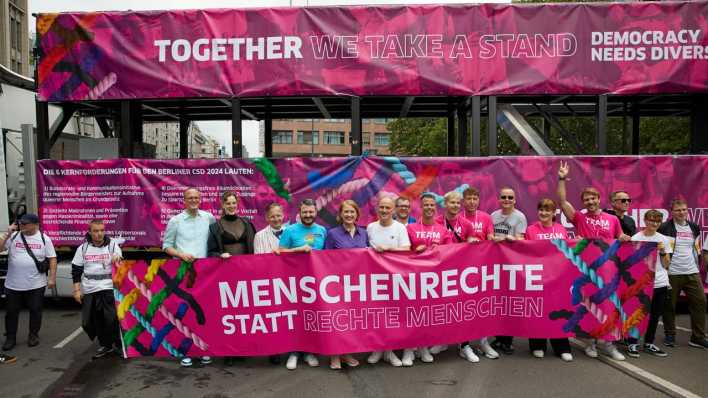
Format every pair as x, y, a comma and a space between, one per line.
394, 235
460, 229
661, 276
482, 224
512, 224
684, 261
428, 235
96, 262
601, 226
22, 272
297, 235
537, 231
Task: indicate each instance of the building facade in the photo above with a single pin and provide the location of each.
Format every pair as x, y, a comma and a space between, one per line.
165, 138
325, 137
14, 36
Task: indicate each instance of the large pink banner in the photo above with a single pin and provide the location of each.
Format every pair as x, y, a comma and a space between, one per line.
488, 49
343, 301
136, 197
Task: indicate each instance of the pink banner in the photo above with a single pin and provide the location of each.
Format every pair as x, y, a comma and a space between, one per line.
488, 49
136, 197
268, 304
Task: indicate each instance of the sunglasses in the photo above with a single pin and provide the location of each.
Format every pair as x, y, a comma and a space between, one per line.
504, 197
624, 200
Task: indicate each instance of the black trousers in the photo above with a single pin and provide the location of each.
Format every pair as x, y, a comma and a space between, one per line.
658, 304
560, 346
15, 300
99, 318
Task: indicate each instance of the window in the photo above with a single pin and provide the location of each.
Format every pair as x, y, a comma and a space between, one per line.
381, 121
381, 139
366, 138
334, 138
282, 137
308, 137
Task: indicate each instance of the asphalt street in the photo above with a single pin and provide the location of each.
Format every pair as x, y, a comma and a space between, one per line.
61, 366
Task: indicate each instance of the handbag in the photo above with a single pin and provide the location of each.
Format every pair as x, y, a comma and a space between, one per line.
42, 266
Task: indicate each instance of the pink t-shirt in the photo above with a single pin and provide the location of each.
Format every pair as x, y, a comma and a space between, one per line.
603, 225
460, 225
537, 231
482, 224
428, 235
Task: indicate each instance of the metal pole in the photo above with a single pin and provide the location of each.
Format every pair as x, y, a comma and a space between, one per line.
602, 124
450, 129
356, 127
492, 125
236, 129
476, 126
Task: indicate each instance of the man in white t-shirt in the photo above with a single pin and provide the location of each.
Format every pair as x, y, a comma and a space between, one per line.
25, 285
652, 220
684, 276
91, 272
386, 234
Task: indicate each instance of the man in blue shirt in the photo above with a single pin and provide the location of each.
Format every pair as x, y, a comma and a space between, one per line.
186, 237
306, 235
303, 237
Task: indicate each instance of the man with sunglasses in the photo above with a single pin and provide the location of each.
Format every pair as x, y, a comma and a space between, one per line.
620, 201
509, 225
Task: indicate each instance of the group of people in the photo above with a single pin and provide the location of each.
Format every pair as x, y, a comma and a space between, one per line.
195, 233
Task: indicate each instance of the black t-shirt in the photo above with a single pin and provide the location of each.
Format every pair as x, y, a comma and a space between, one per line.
629, 227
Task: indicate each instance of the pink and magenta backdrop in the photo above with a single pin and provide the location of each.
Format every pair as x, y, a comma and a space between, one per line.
113, 55
168, 308
137, 197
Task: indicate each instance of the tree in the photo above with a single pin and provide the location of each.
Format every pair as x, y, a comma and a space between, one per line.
418, 136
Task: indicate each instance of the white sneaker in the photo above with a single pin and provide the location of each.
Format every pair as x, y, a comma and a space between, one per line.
487, 349
591, 350
390, 357
408, 357
312, 360
437, 349
206, 360
613, 352
374, 357
538, 353
467, 353
425, 355
186, 362
567, 357
291, 364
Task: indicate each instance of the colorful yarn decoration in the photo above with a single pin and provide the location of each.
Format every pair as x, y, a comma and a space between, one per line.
174, 320
273, 178
154, 304
606, 291
399, 168
107, 82
423, 181
349, 187
336, 178
145, 325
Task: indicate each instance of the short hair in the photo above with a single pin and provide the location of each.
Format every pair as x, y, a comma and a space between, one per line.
401, 199
351, 204
184, 193
589, 191
507, 188
614, 193
272, 206
547, 204
428, 195
452, 195
654, 215
307, 202
471, 191
226, 195
95, 221
678, 202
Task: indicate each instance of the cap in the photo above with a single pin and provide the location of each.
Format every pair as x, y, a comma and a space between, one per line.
29, 218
